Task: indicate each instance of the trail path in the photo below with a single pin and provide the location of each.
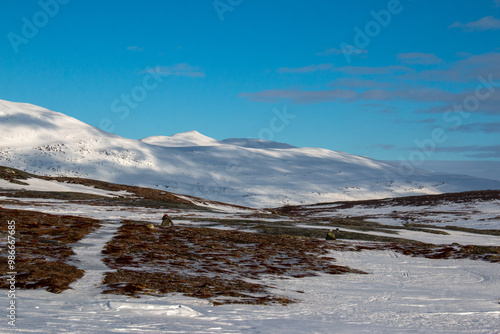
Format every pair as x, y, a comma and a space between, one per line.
89, 257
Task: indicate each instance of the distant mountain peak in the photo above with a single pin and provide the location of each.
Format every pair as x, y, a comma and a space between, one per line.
182, 139
250, 172
192, 133
256, 143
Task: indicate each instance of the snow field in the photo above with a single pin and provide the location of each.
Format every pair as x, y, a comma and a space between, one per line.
400, 295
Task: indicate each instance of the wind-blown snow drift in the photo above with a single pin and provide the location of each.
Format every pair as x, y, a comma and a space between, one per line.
241, 171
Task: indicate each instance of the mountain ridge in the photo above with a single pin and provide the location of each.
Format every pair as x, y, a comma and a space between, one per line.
249, 172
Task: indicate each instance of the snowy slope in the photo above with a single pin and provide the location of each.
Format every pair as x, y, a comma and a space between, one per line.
242, 171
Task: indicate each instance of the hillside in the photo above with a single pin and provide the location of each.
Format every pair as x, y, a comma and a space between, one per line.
90, 249
248, 172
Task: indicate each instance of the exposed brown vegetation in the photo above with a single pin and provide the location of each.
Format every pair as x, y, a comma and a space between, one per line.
13, 175
54, 276
430, 251
43, 247
139, 196
320, 233
210, 263
421, 200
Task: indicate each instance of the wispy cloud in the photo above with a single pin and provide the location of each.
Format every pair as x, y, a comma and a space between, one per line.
493, 127
412, 58
305, 69
353, 70
350, 50
472, 151
300, 96
486, 23
135, 48
180, 70
464, 70
377, 70
387, 84
489, 106
416, 121
359, 83
486, 152
382, 108
343, 95
383, 146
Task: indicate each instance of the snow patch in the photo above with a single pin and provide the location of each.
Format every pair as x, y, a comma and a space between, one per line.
167, 310
35, 184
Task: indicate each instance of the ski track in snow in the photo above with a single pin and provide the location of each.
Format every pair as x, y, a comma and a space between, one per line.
89, 258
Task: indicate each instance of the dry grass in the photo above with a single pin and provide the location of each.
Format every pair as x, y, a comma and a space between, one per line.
430, 251
422, 200
137, 196
13, 175
43, 247
209, 263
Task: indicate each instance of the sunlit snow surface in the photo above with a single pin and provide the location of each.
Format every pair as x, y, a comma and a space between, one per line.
250, 172
400, 294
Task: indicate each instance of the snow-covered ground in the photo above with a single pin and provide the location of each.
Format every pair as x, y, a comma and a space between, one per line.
250, 172
36, 184
186, 217
399, 295
449, 238
114, 212
474, 214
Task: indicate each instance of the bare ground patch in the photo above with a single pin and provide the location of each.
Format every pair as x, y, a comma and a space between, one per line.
43, 246
430, 251
220, 265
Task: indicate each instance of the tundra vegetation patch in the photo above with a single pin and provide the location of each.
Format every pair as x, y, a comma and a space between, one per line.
219, 265
430, 251
43, 248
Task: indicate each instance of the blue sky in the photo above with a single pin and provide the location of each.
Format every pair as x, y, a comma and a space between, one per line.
393, 80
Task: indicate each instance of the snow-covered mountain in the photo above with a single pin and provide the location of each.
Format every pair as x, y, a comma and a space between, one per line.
249, 172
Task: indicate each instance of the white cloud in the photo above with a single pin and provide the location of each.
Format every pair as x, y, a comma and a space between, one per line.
135, 48
486, 23
491, 127
180, 70
349, 95
305, 69
374, 70
351, 50
419, 58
